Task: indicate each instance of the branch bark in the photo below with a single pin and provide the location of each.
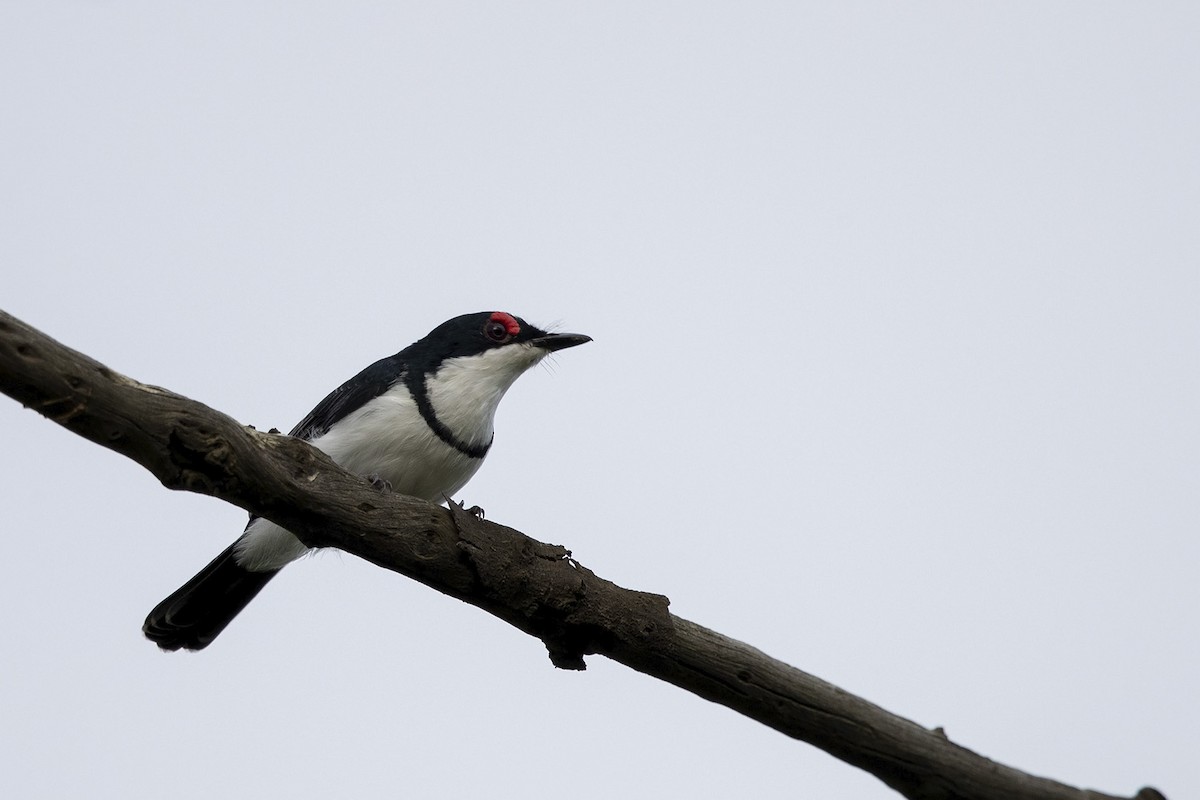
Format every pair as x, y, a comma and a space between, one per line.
536, 587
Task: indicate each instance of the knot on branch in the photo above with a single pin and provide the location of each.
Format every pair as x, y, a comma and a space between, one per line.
201, 457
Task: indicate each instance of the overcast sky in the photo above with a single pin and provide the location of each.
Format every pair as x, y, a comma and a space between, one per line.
896, 376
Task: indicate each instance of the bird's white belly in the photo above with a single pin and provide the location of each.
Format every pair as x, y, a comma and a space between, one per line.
387, 438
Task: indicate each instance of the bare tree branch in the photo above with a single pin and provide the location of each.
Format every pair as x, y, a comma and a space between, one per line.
535, 587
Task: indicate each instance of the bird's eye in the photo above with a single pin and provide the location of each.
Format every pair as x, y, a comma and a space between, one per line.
501, 327
496, 331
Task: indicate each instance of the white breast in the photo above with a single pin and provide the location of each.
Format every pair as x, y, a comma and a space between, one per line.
386, 437
389, 438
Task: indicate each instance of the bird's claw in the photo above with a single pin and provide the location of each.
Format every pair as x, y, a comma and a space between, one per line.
379, 483
476, 512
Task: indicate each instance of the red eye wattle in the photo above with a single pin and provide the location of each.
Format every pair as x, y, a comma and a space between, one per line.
500, 327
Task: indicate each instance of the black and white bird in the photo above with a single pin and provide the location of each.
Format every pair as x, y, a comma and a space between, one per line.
421, 420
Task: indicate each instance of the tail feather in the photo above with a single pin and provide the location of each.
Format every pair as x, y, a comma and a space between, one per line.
200, 609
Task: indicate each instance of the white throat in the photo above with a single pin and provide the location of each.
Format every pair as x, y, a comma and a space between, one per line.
465, 391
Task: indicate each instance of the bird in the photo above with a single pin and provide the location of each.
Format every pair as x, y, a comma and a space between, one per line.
419, 422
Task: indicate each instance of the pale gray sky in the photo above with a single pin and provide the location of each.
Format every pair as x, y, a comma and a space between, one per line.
895, 376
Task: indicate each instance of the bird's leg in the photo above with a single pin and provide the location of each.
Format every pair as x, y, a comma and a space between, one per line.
379, 483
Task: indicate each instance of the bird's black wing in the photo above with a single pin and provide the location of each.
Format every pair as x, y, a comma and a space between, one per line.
351, 396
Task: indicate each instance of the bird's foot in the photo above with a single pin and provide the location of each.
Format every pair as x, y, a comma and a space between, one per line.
474, 511
379, 483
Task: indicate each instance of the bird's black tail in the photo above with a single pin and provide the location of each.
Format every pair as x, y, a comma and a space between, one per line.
200, 609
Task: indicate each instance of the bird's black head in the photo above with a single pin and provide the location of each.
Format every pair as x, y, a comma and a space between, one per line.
475, 334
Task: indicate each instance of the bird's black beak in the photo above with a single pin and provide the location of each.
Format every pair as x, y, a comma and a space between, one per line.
559, 341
